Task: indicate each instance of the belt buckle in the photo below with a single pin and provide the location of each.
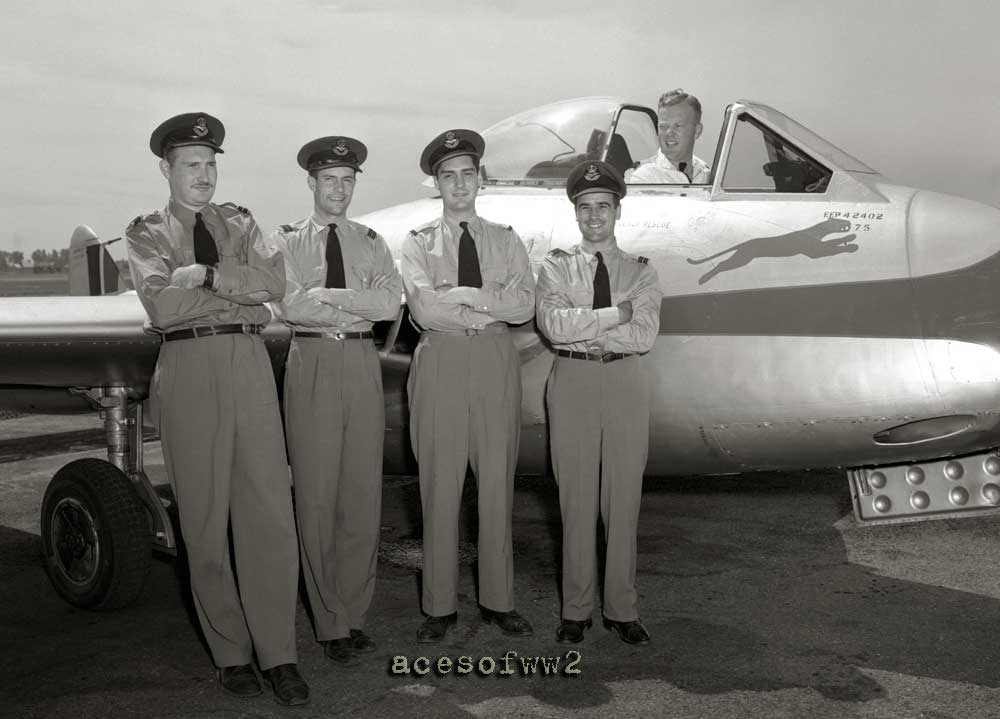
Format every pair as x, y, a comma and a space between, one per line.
246, 329
471, 332
338, 335
607, 357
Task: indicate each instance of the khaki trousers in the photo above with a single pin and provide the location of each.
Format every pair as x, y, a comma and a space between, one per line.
222, 440
335, 424
599, 430
465, 408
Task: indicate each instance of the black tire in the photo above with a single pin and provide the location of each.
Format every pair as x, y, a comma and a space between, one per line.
95, 535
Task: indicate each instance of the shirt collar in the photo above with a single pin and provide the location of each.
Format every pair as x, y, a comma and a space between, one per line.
318, 226
475, 227
609, 250
664, 162
186, 214
696, 165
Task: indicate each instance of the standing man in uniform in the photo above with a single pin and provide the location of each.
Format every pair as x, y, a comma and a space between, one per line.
465, 278
600, 309
340, 278
679, 126
199, 271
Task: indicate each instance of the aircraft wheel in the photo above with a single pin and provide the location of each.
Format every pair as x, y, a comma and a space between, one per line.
95, 535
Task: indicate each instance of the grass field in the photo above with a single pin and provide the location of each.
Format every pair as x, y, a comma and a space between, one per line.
28, 284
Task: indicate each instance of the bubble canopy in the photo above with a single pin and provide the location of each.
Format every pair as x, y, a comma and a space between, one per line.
541, 145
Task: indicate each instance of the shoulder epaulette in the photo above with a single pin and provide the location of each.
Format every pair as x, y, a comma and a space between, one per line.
142, 218
558, 252
238, 208
414, 233
287, 228
642, 260
371, 234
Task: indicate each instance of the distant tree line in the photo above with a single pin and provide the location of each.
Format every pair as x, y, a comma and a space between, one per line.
43, 260
10, 260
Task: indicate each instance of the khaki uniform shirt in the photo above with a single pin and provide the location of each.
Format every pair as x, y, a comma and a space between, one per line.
565, 297
303, 245
429, 263
160, 242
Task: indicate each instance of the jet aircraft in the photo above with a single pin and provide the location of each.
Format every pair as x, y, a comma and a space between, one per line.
814, 315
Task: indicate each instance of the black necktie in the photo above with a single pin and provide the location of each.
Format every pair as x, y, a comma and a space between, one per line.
602, 285
468, 260
334, 260
683, 168
205, 251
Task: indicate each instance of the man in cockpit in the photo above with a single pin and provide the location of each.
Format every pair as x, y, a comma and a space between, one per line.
675, 162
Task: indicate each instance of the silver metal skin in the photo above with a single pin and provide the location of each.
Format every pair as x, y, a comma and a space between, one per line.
948, 488
836, 320
959, 496
953, 470
920, 500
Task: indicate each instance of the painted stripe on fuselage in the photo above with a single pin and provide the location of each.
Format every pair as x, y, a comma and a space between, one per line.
961, 304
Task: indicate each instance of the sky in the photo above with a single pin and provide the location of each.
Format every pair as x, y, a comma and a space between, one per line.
912, 88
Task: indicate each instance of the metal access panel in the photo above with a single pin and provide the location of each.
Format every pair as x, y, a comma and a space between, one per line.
955, 487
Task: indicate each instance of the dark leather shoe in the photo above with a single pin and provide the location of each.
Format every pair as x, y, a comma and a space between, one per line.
570, 631
240, 681
629, 632
434, 628
361, 642
511, 623
290, 689
340, 651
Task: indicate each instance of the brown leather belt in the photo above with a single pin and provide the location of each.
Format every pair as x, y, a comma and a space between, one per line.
334, 335
211, 331
602, 358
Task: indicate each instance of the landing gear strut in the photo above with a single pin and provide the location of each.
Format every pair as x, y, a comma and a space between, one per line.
100, 518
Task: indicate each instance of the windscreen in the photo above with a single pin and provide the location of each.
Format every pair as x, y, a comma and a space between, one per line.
545, 143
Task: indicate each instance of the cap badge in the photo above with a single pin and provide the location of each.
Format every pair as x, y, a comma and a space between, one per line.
200, 127
592, 174
340, 147
450, 141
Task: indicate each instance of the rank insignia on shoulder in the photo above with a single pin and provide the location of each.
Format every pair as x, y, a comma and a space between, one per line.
238, 208
642, 260
414, 233
558, 252
510, 228
371, 234
287, 228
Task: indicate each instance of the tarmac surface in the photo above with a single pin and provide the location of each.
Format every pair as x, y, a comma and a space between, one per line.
763, 596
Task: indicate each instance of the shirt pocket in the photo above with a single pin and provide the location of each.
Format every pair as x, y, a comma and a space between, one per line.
494, 273
360, 273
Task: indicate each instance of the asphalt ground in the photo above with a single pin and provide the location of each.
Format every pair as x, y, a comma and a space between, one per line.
763, 596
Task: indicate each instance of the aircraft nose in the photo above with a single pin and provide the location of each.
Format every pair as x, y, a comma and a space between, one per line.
947, 233
954, 252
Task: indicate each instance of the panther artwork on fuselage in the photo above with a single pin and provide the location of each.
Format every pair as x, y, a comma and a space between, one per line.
808, 241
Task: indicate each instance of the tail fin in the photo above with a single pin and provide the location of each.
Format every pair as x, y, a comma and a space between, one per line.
92, 271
